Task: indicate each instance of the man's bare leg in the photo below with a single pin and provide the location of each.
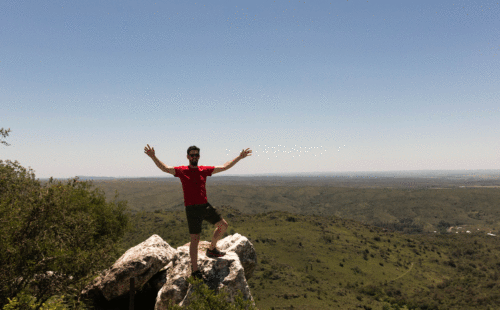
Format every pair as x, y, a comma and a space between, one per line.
193, 251
218, 232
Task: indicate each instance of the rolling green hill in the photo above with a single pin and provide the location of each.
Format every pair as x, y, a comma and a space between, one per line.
326, 247
416, 209
326, 262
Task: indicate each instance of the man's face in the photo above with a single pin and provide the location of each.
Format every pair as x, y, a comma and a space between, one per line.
193, 158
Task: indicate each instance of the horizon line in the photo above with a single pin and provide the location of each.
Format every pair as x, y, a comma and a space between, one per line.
290, 173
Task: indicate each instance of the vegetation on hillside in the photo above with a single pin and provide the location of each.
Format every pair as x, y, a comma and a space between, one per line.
304, 261
317, 262
54, 238
407, 210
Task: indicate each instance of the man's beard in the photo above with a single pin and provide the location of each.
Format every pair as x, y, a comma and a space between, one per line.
194, 163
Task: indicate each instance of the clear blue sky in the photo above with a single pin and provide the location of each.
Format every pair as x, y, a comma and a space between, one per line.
323, 86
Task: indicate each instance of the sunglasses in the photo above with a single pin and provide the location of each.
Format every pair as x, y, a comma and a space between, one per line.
194, 155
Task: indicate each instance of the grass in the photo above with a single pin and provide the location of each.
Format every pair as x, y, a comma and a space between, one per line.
426, 207
333, 247
314, 262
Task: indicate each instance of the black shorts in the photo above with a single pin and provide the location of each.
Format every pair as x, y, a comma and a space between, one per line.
197, 213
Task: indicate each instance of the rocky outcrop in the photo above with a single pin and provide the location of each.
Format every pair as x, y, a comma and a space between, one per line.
164, 271
230, 271
141, 262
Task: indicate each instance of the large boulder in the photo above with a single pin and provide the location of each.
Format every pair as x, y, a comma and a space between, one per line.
141, 262
229, 272
161, 271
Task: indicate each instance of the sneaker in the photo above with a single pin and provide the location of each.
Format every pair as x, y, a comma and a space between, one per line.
215, 253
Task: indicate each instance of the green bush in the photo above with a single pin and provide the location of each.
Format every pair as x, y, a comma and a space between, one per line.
21, 301
64, 228
27, 302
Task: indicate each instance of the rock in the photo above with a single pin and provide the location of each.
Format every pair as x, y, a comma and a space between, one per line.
141, 262
229, 272
161, 271
243, 248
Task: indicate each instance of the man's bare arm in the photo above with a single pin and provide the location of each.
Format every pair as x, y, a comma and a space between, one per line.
163, 167
233, 162
226, 166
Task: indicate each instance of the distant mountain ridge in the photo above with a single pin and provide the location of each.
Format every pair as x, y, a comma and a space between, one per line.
484, 174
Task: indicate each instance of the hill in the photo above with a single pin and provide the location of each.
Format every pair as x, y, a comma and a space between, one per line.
336, 247
326, 262
410, 205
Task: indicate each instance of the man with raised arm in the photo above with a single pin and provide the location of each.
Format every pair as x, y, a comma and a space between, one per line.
193, 178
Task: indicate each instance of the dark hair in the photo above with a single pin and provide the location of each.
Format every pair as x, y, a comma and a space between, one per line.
193, 148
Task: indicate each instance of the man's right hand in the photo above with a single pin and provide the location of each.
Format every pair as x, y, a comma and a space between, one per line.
150, 151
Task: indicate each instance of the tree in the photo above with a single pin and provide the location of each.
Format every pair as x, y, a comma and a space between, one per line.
55, 238
4, 134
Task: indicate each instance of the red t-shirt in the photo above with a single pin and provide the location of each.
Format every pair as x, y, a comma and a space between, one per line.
193, 183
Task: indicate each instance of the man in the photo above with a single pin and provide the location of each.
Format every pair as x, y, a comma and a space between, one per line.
193, 178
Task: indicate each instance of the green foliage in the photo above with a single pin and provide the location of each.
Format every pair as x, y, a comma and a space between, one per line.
63, 228
4, 133
381, 267
27, 302
405, 225
21, 301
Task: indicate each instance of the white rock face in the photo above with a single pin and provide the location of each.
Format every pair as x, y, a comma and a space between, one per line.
166, 270
230, 271
141, 262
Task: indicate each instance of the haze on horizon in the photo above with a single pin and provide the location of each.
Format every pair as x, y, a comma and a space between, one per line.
330, 87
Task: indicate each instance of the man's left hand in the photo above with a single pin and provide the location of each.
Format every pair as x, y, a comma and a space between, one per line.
245, 153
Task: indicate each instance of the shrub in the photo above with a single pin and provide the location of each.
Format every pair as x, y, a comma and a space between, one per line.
60, 228
25, 301
371, 290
